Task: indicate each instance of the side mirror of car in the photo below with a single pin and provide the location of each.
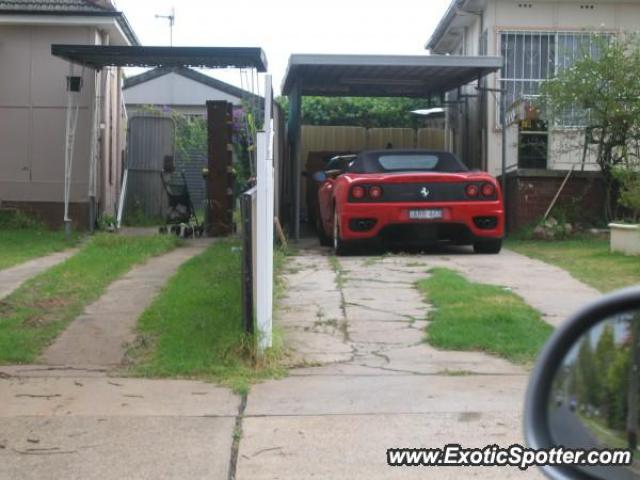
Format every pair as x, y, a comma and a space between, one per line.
319, 177
584, 392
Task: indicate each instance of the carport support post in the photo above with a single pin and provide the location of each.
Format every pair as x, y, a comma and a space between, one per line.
503, 115
93, 158
70, 135
295, 111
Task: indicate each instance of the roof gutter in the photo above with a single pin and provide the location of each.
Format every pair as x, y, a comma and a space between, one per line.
127, 30
444, 24
119, 17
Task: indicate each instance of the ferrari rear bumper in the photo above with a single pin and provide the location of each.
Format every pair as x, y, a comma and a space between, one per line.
457, 222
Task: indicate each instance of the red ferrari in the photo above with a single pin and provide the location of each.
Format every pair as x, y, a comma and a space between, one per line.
410, 198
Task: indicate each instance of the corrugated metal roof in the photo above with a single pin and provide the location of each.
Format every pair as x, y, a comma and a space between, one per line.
49, 6
96, 56
418, 76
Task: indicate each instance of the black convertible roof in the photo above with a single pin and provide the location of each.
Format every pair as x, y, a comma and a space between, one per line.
367, 161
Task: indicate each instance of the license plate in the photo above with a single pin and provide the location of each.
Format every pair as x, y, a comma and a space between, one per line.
430, 214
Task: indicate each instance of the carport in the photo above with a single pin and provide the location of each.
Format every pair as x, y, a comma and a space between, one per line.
97, 57
419, 76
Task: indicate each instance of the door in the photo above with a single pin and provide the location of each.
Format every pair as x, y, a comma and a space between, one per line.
151, 139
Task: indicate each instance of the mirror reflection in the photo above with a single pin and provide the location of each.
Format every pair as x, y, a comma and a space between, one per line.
595, 397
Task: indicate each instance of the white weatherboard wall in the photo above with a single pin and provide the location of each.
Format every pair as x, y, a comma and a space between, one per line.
265, 226
33, 102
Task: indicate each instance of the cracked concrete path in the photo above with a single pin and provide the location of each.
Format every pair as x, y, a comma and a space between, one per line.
81, 424
11, 278
366, 381
100, 335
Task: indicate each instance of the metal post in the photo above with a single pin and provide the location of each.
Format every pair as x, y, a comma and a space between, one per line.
503, 114
295, 110
247, 262
93, 149
71, 125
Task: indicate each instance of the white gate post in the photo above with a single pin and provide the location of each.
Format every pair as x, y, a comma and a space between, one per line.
265, 224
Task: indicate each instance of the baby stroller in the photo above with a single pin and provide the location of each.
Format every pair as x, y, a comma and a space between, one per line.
181, 217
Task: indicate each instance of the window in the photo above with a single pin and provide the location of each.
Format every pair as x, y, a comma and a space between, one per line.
532, 57
408, 162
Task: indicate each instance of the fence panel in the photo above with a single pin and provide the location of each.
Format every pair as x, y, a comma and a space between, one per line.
151, 139
248, 217
191, 164
380, 138
431, 138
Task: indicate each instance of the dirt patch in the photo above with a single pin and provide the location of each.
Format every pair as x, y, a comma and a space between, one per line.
43, 309
6, 309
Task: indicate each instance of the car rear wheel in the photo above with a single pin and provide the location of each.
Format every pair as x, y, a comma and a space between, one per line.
488, 246
339, 246
325, 241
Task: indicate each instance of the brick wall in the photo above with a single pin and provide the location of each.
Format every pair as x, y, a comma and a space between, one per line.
530, 192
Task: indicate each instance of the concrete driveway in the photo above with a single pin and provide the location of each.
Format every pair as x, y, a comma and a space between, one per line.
366, 381
362, 380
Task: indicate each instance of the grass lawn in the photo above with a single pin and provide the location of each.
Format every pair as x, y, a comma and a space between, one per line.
587, 259
473, 316
194, 327
20, 245
32, 316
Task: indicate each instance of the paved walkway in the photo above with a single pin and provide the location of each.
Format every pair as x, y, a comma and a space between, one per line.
81, 425
12, 278
101, 335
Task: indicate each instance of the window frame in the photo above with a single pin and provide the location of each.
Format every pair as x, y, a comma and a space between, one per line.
559, 61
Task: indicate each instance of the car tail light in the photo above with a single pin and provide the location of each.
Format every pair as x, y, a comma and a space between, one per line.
375, 192
488, 190
357, 192
472, 190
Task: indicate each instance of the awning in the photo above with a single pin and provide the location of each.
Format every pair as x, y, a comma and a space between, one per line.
384, 75
96, 56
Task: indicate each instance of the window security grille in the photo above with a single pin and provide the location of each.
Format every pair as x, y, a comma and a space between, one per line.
532, 57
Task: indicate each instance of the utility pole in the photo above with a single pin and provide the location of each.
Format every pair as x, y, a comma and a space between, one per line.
172, 21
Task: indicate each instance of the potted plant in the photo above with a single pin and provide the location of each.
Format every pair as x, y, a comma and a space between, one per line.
625, 234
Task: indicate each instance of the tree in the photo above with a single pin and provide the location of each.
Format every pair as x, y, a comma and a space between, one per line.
617, 389
366, 112
604, 82
634, 385
587, 384
604, 357
628, 177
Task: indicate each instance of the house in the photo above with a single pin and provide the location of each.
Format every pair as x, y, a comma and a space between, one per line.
33, 100
183, 90
535, 39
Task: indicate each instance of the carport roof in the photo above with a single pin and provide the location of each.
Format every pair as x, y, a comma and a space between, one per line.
384, 75
96, 56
